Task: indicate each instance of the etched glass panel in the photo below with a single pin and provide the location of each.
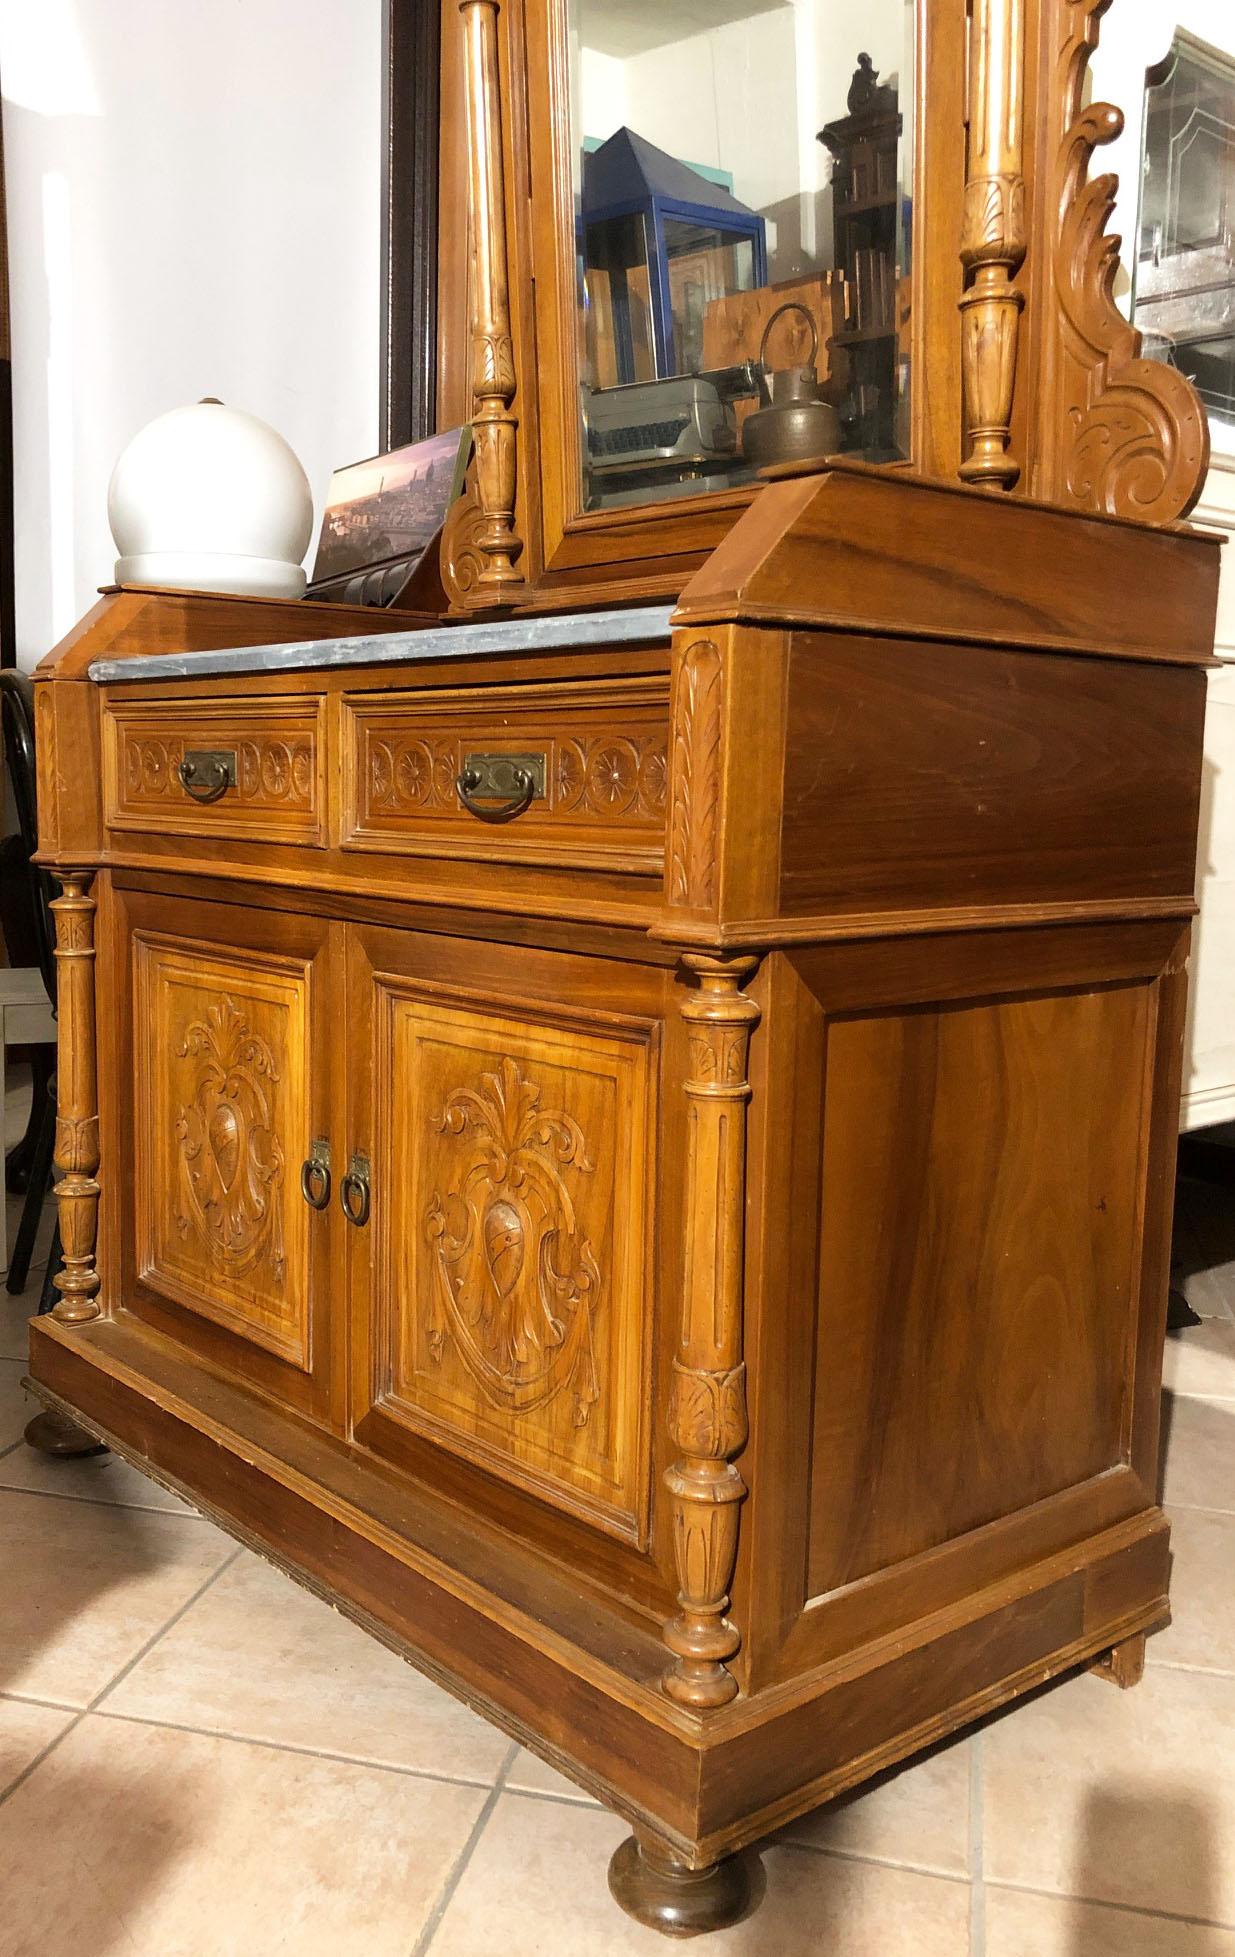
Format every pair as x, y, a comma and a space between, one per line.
1185, 273
743, 213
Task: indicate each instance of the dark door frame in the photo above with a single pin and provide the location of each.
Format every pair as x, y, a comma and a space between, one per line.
411, 52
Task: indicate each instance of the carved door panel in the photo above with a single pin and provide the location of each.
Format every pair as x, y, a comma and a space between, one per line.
229, 1093
505, 1315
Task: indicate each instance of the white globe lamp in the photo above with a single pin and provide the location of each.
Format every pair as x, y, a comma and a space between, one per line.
208, 498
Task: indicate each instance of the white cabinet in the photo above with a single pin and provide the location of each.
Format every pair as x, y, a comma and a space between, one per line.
1209, 1057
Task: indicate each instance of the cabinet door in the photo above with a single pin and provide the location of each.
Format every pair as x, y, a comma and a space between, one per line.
228, 1010
503, 1321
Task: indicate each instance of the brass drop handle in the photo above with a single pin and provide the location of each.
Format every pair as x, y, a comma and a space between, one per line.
354, 1191
315, 1175
207, 773
498, 787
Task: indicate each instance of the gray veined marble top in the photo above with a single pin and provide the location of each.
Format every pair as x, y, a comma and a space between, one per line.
640, 626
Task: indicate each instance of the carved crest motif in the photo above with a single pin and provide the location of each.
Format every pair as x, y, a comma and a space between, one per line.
517, 1281
231, 1161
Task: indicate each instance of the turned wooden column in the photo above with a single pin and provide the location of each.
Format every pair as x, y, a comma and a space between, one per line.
77, 1100
494, 424
993, 239
708, 1405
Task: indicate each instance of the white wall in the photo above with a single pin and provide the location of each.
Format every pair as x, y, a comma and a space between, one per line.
194, 206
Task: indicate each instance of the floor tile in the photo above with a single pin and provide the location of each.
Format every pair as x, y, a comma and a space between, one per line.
1198, 1453
92, 1478
259, 1656
1202, 1627
535, 1886
529, 1774
24, 1732
85, 1587
918, 1815
160, 1844
15, 1316
1202, 1360
16, 1406
1113, 1796
1019, 1925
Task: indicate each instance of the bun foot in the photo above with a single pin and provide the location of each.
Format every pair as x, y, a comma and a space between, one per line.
658, 1890
54, 1433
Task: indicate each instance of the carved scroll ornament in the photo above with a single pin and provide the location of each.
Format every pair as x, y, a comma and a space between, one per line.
694, 819
1130, 437
517, 1281
231, 1161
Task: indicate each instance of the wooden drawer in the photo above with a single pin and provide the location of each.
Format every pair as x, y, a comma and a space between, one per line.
602, 747
279, 751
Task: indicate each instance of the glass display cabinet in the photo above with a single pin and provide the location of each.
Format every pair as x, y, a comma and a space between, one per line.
621, 1126
1185, 268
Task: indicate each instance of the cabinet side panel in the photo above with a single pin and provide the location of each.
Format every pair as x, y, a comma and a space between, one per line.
983, 1163
943, 775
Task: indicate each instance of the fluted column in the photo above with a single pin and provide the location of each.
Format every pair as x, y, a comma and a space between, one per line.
77, 1099
993, 239
708, 1406
494, 424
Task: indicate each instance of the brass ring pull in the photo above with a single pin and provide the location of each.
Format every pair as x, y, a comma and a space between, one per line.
315, 1176
354, 1191
525, 789
206, 774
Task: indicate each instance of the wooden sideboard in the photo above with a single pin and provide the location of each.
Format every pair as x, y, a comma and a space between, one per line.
686, 1263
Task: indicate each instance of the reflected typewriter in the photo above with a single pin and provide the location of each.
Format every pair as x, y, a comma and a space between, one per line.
685, 424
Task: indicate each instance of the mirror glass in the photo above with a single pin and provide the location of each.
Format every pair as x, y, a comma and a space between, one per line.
743, 215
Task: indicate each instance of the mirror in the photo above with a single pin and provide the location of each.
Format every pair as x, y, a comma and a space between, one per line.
742, 237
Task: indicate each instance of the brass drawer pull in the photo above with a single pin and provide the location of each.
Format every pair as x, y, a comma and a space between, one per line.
207, 772
315, 1176
498, 787
354, 1191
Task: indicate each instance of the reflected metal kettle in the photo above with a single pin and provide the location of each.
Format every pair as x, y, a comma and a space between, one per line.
794, 423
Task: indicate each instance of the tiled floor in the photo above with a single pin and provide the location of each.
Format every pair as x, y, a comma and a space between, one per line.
199, 1760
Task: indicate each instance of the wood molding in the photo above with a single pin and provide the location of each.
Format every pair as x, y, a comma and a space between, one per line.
77, 1099
493, 379
708, 1410
1128, 436
994, 240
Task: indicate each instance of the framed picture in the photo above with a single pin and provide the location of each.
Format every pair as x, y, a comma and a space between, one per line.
387, 510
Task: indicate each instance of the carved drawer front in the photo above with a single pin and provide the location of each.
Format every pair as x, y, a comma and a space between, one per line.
436, 771
512, 1292
252, 769
221, 1062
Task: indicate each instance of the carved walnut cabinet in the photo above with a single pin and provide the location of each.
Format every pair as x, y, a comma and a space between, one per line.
631, 1146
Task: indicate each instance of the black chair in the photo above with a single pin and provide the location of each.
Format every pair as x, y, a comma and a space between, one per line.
29, 920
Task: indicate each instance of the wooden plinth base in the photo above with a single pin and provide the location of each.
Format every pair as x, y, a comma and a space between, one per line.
53, 1433
661, 1892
